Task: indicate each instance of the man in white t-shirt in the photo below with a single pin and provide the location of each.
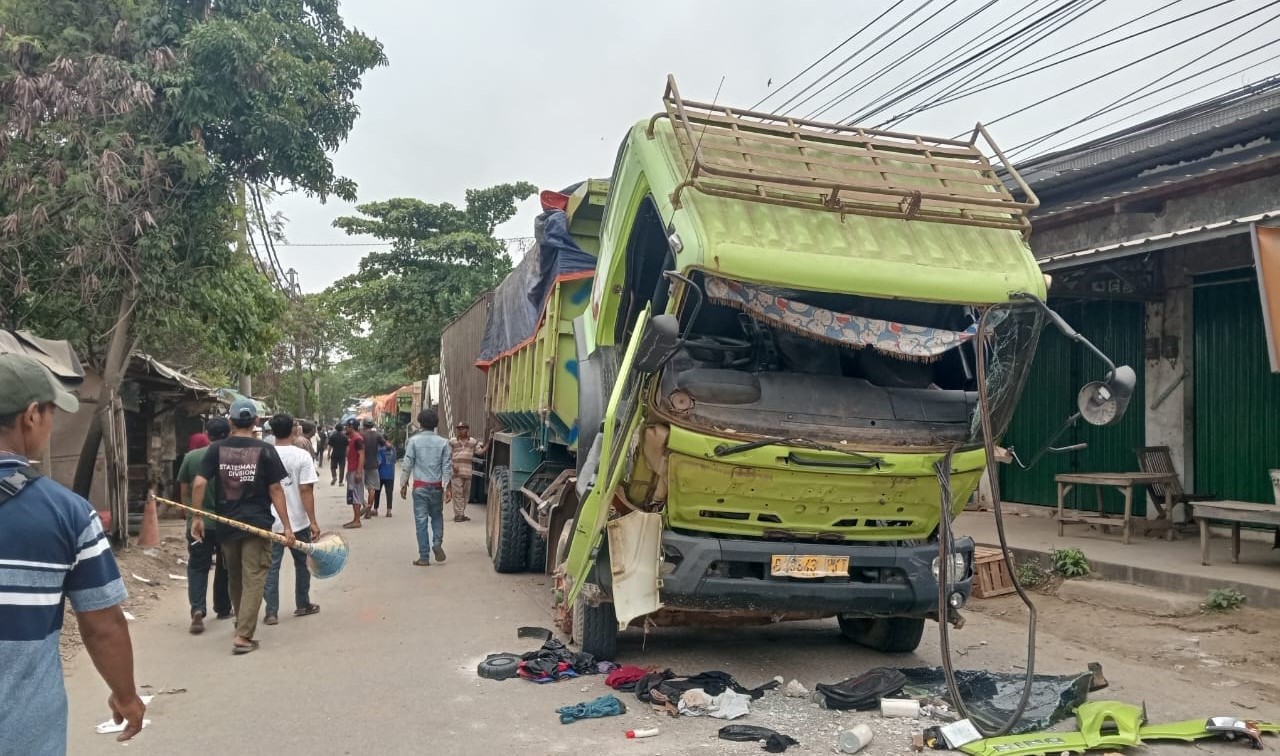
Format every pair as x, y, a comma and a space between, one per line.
299, 496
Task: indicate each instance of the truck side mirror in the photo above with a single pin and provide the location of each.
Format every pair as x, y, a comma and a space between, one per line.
1104, 402
659, 341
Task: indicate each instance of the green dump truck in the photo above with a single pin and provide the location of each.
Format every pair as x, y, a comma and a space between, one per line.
721, 381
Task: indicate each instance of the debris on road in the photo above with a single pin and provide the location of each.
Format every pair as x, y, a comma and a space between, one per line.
908, 708
773, 741
177, 577
990, 698
795, 690
110, 727
141, 579
651, 732
861, 693
727, 705
501, 666
607, 705
854, 739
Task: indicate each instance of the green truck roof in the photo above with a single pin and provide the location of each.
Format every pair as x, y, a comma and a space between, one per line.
737, 195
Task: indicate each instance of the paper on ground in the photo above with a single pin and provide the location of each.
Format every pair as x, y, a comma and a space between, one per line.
108, 727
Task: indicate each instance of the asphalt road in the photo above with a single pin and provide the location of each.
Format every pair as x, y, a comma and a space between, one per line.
388, 667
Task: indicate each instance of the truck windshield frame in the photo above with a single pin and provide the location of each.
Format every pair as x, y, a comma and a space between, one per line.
742, 375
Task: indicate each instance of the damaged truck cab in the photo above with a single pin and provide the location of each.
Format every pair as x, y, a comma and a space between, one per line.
723, 387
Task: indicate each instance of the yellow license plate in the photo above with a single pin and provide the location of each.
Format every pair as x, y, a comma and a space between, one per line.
802, 566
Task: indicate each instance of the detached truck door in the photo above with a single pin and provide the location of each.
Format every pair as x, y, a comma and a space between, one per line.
622, 415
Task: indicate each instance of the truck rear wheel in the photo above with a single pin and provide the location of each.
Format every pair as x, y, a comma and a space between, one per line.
892, 635
595, 628
537, 551
507, 534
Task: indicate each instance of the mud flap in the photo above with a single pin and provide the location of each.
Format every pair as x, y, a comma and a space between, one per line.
635, 549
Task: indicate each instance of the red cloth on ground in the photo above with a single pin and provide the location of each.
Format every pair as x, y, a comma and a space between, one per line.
623, 676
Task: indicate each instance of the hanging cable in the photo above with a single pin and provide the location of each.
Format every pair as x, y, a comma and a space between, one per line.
965, 48
851, 69
902, 58
828, 54
1003, 79
1172, 118
998, 61
1126, 66
1133, 97
966, 62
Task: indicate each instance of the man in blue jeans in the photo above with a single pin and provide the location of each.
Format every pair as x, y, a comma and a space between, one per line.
427, 467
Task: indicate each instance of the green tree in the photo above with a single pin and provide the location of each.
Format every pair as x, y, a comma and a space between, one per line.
442, 257
127, 126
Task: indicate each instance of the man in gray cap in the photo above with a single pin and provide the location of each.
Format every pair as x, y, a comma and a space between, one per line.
247, 473
52, 548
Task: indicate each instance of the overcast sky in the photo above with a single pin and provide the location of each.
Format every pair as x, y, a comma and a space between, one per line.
479, 93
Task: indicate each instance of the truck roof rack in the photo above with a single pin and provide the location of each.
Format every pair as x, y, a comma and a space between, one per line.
777, 159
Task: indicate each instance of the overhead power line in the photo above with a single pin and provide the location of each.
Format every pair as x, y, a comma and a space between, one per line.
902, 58
828, 54
1137, 96
994, 61
1171, 118
1127, 66
979, 55
783, 107
1002, 79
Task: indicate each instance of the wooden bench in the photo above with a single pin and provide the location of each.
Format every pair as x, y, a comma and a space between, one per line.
1236, 513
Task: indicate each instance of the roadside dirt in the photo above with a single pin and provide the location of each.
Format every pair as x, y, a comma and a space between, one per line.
135, 563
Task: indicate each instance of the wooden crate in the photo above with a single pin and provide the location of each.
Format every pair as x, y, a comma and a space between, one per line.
990, 575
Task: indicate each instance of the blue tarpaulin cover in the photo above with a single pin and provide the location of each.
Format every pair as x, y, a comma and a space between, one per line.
520, 299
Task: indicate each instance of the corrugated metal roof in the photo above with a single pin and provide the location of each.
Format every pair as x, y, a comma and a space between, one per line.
1246, 109
58, 356
188, 382
1158, 241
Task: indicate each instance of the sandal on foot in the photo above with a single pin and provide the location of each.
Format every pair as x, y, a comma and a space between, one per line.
239, 650
307, 611
421, 563
351, 525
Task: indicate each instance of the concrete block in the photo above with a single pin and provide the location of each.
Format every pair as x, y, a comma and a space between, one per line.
1133, 598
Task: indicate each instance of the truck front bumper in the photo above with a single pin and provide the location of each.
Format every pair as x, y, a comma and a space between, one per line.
702, 573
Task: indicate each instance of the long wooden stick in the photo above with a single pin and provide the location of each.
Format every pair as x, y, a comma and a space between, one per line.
267, 534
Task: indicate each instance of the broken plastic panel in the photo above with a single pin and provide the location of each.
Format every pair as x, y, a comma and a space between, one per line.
990, 698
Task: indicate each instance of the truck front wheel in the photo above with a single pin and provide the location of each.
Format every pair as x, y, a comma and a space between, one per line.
892, 635
595, 628
507, 534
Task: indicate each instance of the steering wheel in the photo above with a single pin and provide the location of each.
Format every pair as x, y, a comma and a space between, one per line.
724, 350
717, 343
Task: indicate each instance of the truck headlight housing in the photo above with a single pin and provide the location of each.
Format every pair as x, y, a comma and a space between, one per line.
959, 568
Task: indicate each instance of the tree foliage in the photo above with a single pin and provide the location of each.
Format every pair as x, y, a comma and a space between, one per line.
442, 257
125, 126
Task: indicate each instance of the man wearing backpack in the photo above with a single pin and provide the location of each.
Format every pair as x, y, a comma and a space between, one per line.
52, 548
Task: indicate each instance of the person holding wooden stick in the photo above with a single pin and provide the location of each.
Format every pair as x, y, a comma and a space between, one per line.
247, 473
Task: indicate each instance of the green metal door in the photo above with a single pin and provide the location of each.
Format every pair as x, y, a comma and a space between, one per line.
1237, 397
1059, 370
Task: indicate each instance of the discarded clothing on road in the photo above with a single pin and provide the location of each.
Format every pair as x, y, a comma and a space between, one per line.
773, 741
714, 683
728, 705
604, 706
862, 692
554, 661
990, 698
624, 678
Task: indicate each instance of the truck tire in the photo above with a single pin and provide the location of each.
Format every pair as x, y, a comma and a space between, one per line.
507, 534
537, 551
595, 628
890, 635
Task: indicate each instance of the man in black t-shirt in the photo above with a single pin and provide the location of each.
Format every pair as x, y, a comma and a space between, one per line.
338, 456
246, 475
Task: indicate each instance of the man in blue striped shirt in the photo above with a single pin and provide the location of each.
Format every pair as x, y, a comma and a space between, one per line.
52, 548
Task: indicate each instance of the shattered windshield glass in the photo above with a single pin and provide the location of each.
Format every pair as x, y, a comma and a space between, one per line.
1010, 338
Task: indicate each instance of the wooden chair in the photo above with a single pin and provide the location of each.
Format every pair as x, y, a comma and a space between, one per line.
1156, 459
